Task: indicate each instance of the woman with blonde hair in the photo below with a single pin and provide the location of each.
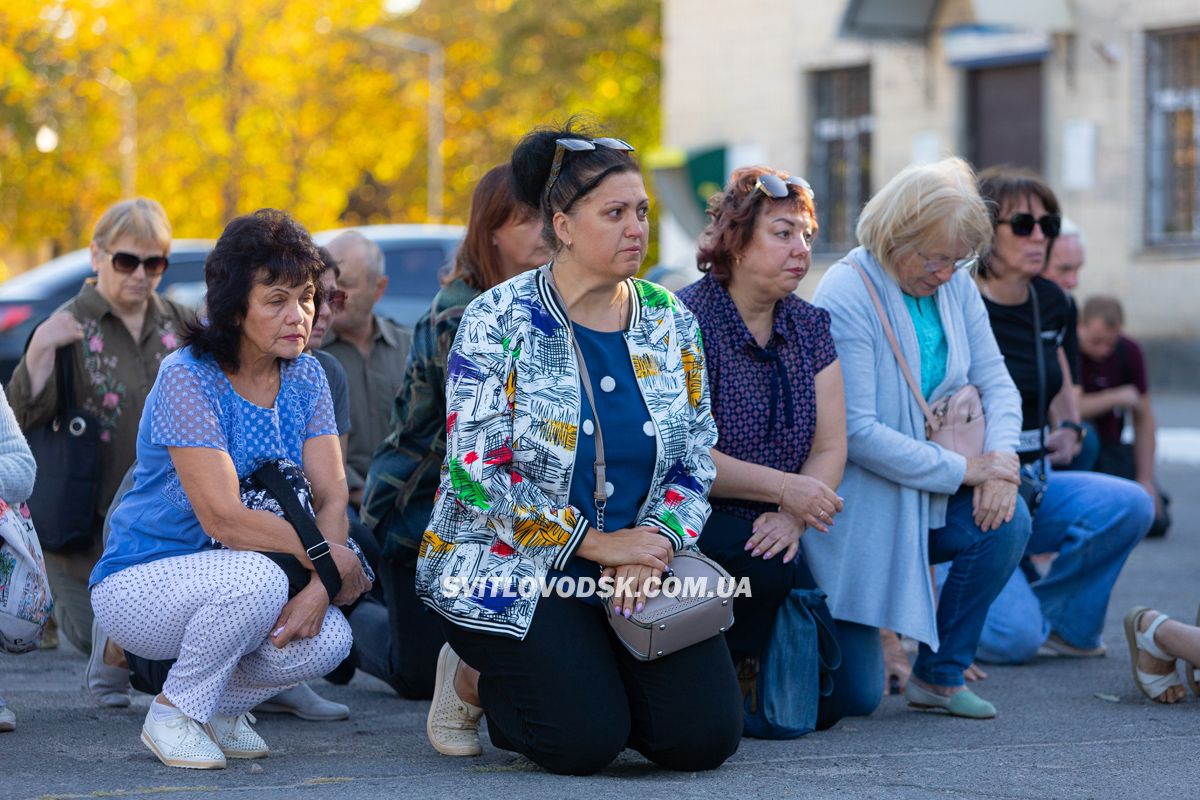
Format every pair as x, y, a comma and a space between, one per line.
911, 502
118, 329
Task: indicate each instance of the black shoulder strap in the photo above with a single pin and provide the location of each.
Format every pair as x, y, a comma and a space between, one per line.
64, 379
306, 527
1040, 354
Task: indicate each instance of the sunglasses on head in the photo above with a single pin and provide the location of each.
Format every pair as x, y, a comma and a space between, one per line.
776, 187
336, 300
1022, 224
561, 146
128, 263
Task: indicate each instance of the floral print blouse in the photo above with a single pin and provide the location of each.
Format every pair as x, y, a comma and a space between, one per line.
113, 375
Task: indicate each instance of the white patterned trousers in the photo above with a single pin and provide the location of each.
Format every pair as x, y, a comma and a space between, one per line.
212, 611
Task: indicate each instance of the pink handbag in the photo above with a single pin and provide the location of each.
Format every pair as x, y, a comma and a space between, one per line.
955, 422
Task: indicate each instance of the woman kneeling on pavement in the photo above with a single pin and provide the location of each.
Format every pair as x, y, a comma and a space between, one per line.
180, 577
914, 502
777, 397
517, 499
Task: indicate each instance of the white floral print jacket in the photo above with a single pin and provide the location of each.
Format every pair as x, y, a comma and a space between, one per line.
513, 405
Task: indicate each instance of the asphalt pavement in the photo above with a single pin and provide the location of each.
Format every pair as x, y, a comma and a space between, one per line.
1066, 728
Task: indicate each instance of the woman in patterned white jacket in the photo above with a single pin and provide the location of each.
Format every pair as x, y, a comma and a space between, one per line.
517, 503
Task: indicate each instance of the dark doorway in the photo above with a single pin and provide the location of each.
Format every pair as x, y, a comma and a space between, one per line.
1004, 116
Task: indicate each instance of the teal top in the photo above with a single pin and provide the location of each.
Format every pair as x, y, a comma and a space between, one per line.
928, 323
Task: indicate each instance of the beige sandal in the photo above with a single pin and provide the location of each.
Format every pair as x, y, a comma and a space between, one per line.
1150, 684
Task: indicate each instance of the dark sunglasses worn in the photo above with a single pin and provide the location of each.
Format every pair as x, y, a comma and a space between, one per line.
561, 146
1022, 224
128, 263
336, 300
776, 187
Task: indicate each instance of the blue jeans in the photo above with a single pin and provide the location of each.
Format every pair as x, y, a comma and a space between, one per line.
980, 564
1093, 522
858, 682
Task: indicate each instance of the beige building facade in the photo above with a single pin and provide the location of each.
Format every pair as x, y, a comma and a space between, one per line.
1101, 96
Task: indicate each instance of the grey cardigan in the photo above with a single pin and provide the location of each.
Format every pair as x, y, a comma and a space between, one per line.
874, 562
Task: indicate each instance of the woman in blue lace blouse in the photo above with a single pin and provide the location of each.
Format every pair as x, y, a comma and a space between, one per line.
180, 577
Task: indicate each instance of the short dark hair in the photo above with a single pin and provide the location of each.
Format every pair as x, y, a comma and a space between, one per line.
1105, 308
1005, 186
493, 205
581, 171
733, 214
267, 247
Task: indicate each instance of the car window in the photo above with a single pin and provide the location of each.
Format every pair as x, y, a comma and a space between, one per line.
183, 281
413, 268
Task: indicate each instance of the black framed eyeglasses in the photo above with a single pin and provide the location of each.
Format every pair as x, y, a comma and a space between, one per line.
776, 187
1022, 224
128, 263
561, 146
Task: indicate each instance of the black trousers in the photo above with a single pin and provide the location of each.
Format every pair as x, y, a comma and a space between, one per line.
398, 640
570, 698
723, 540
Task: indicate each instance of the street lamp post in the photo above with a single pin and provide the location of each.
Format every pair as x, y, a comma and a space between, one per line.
437, 104
128, 146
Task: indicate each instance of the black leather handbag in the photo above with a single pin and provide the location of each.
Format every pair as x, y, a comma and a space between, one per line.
67, 451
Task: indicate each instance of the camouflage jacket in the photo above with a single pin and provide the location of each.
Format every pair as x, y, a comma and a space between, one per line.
513, 405
405, 471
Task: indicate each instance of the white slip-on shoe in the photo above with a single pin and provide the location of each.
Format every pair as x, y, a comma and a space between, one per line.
235, 737
305, 703
109, 685
453, 724
180, 741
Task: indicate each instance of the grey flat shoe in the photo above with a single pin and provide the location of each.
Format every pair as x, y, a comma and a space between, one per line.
109, 685
960, 704
304, 703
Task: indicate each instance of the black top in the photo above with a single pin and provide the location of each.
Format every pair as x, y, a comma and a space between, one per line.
1013, 328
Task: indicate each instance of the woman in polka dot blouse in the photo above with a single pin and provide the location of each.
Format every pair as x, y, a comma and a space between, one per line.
518, 497
180, 577
777, 395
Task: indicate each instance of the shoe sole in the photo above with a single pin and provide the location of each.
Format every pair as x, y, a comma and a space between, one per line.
1190, 671
175, 762
439, 682
272, 708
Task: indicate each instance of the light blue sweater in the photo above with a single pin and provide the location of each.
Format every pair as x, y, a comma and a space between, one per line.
17, 467
874, 562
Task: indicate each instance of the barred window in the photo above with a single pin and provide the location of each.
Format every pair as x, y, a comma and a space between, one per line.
840, 152
1173, 140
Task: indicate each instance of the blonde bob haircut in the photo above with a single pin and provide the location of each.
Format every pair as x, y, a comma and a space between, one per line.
924, 208
140, 219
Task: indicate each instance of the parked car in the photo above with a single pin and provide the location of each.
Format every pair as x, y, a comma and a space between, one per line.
28, 298
415, 258
673, 277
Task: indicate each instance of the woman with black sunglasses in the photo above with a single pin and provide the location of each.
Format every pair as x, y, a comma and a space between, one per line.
117, 331
525, 498
1091, 521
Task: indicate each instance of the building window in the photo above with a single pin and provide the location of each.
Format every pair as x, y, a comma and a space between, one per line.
1173, 141
839, 166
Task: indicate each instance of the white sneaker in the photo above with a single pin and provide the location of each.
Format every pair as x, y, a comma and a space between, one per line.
179, 741
453, 724
235, 737
8, 720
